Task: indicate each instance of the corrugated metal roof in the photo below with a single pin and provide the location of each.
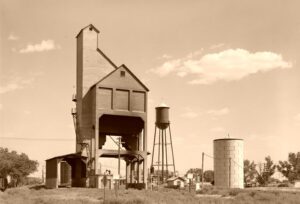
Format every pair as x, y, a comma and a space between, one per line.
72, 155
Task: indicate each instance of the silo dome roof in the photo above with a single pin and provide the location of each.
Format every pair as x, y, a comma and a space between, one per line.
163, 105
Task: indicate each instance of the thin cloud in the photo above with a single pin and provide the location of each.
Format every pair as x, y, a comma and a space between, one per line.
218, 112
13, 37
190, 115
166, 56
227, 65
45, 45
9, 87
17, 83
216, 46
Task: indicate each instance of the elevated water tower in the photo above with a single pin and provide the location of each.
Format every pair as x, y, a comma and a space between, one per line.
162, 146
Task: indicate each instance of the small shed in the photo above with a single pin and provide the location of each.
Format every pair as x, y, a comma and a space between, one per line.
175, 182
66, 171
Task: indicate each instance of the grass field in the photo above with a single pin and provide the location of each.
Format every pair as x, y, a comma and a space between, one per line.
27, 195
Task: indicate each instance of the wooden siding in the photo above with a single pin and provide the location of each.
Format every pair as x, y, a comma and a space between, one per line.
122, 99
104, 98
138, 101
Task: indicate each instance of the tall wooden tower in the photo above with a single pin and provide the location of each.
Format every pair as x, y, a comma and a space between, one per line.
110, 101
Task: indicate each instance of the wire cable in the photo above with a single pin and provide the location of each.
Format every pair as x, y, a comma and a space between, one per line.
35, 138
223, 159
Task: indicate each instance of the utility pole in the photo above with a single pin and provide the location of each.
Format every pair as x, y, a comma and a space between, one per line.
119, 163
119, 156
202, 170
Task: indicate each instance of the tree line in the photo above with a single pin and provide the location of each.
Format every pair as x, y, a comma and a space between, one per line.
16, 166
260, 173
19, 166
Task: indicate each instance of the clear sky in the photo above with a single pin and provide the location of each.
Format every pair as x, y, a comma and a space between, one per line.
222, 66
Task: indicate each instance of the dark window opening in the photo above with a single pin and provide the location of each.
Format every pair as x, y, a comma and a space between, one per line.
122, 73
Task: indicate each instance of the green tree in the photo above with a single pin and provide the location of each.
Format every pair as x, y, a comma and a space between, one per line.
290, 168
250, 172
208, 176
18, 166
266, 171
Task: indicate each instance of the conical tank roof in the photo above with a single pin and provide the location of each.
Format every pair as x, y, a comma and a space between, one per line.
162, 105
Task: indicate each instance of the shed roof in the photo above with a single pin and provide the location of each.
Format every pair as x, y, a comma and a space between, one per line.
68, 156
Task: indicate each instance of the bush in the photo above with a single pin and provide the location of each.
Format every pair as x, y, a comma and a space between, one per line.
234, 192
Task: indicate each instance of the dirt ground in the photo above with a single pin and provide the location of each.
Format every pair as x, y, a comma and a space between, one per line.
26, 195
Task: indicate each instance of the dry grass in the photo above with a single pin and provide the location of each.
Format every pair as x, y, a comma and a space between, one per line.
25, 195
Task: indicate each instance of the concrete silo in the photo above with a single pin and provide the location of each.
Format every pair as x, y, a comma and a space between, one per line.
229, 163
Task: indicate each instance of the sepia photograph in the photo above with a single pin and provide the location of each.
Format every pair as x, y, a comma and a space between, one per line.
135, 101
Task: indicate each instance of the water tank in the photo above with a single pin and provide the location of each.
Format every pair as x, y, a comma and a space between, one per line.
229, 163
162, 116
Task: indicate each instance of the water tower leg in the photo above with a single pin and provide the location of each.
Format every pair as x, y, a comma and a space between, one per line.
172, 148
153, 146
158, 161
162, 154
167, 172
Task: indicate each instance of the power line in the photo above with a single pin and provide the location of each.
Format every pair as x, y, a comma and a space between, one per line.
223, 158
35, 138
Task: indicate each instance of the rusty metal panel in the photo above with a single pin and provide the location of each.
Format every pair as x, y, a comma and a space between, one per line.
122, 99
138, 101
104, 98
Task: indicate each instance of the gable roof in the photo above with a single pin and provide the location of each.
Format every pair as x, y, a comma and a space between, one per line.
107, 58
127, 69
91, 26
175, 177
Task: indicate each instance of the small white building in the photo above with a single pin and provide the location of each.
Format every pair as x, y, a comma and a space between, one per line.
176, 182
297, 184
